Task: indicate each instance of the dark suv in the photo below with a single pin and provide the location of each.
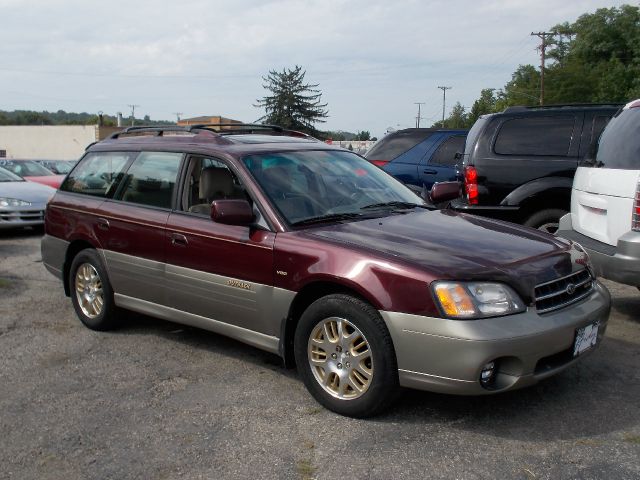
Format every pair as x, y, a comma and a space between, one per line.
519, 164
313, 253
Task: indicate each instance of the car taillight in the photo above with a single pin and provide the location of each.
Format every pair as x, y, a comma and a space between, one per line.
471, 184
635, 214
379, 163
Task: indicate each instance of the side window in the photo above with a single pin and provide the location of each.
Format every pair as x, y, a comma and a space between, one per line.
209, 179
97, 174
549, 135
151, 179
445, 154
597, 126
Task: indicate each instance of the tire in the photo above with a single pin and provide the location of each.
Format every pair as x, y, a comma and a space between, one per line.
91, 292
546, 220
360, 390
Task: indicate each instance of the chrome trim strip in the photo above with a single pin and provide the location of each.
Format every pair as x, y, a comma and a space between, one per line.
560, 292
562, 278
259, 340
566, 304
435, 376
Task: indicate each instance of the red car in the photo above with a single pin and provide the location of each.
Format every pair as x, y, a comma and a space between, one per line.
33, 172
313, 253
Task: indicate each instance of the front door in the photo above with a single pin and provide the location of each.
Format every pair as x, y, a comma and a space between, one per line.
223, 273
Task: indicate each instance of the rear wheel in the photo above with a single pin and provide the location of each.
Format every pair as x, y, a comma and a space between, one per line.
546, 220
91, 291
345, 356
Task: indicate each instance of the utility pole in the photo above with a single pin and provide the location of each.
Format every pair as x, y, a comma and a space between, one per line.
133, 113
543, 47
444, 100
418, 118
177, 114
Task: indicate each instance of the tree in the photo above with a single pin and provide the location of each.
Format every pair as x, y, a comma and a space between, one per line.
485, 104
293, 103
363, 135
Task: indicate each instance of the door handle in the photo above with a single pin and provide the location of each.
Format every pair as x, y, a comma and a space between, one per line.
429, 171
179, 240
103, 224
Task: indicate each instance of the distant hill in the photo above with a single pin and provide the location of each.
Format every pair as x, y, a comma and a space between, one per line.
30, 117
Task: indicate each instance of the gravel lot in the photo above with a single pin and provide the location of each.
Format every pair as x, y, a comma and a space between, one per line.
158, 400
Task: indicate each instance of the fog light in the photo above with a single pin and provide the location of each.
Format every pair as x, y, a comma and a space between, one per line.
488, 374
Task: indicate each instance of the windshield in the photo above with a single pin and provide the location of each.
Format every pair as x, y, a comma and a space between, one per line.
7, 176
327, 185
25, 168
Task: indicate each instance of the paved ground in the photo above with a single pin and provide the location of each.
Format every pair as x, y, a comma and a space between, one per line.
157, 400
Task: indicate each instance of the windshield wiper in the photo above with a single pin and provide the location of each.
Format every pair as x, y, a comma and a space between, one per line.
327, 218
394, 204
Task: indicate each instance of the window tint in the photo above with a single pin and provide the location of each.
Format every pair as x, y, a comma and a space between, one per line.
445, 155
151, 178
597, 126
535, 136
396, 143
619, 145
97, 174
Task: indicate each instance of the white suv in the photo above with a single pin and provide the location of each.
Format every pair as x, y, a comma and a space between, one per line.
605, 200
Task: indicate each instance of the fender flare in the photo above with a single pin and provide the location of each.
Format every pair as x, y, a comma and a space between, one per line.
537, 186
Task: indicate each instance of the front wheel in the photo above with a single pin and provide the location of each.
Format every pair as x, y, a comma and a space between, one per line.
345, 356
91, 291
547, 220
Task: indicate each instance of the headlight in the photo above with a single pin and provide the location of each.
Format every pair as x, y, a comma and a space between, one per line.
476, 299
13, 202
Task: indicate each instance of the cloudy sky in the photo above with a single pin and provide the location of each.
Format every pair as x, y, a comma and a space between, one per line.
373, 59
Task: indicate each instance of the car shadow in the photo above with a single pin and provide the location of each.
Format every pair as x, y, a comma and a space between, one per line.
591, 398
629, 306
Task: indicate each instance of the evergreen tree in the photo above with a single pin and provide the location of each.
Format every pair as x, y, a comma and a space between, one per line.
293, 103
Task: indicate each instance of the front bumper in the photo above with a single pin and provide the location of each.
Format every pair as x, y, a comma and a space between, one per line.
447, 356
620, 263
17, 217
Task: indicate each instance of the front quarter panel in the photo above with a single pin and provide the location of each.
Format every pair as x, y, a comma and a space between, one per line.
386, 284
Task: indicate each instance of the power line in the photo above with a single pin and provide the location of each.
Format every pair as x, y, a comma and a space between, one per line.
543, 47
418, 118
177, 114
444, 100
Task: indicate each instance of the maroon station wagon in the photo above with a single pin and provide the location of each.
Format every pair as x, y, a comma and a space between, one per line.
313, 253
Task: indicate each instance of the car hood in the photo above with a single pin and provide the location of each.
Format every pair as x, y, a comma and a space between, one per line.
452, 245
49, 180
28, 191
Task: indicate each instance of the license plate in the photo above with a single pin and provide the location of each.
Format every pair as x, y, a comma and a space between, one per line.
586, 338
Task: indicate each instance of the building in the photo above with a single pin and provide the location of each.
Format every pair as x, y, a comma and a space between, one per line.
209, 120
49, 142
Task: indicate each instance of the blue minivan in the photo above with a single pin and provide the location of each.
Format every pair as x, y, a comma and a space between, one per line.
419, 156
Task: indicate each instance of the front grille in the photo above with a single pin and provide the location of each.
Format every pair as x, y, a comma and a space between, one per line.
22, 216
563, 291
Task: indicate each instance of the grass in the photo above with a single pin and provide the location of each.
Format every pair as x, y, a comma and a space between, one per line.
5, 283
305, 469
629, 437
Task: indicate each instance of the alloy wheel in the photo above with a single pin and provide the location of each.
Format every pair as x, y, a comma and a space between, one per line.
89, 290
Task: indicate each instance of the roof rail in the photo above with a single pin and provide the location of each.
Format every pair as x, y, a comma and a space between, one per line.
237, 126
159, 131
519, 108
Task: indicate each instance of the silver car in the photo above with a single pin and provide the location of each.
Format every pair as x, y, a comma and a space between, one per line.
22, 203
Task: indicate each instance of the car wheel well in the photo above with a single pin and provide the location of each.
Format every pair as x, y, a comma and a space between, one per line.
74, 248
305, 297
541, 202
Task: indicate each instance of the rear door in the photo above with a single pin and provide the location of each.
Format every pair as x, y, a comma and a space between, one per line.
440, 165
606, 183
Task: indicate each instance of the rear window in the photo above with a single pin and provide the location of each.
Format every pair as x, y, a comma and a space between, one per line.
397, 143
619, 145
538, 136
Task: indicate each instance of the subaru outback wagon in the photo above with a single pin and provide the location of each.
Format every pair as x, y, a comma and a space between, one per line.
314, 254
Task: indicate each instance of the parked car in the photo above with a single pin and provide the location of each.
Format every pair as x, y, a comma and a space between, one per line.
59, 167
21, 203
519, 164
313, 253
605, 200
33, 172
419, 156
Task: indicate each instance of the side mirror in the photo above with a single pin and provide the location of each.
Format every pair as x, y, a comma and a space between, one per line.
232, 212
444, 191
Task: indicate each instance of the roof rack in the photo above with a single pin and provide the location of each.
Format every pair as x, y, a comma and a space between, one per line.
159, 131
520, 108
236, 126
